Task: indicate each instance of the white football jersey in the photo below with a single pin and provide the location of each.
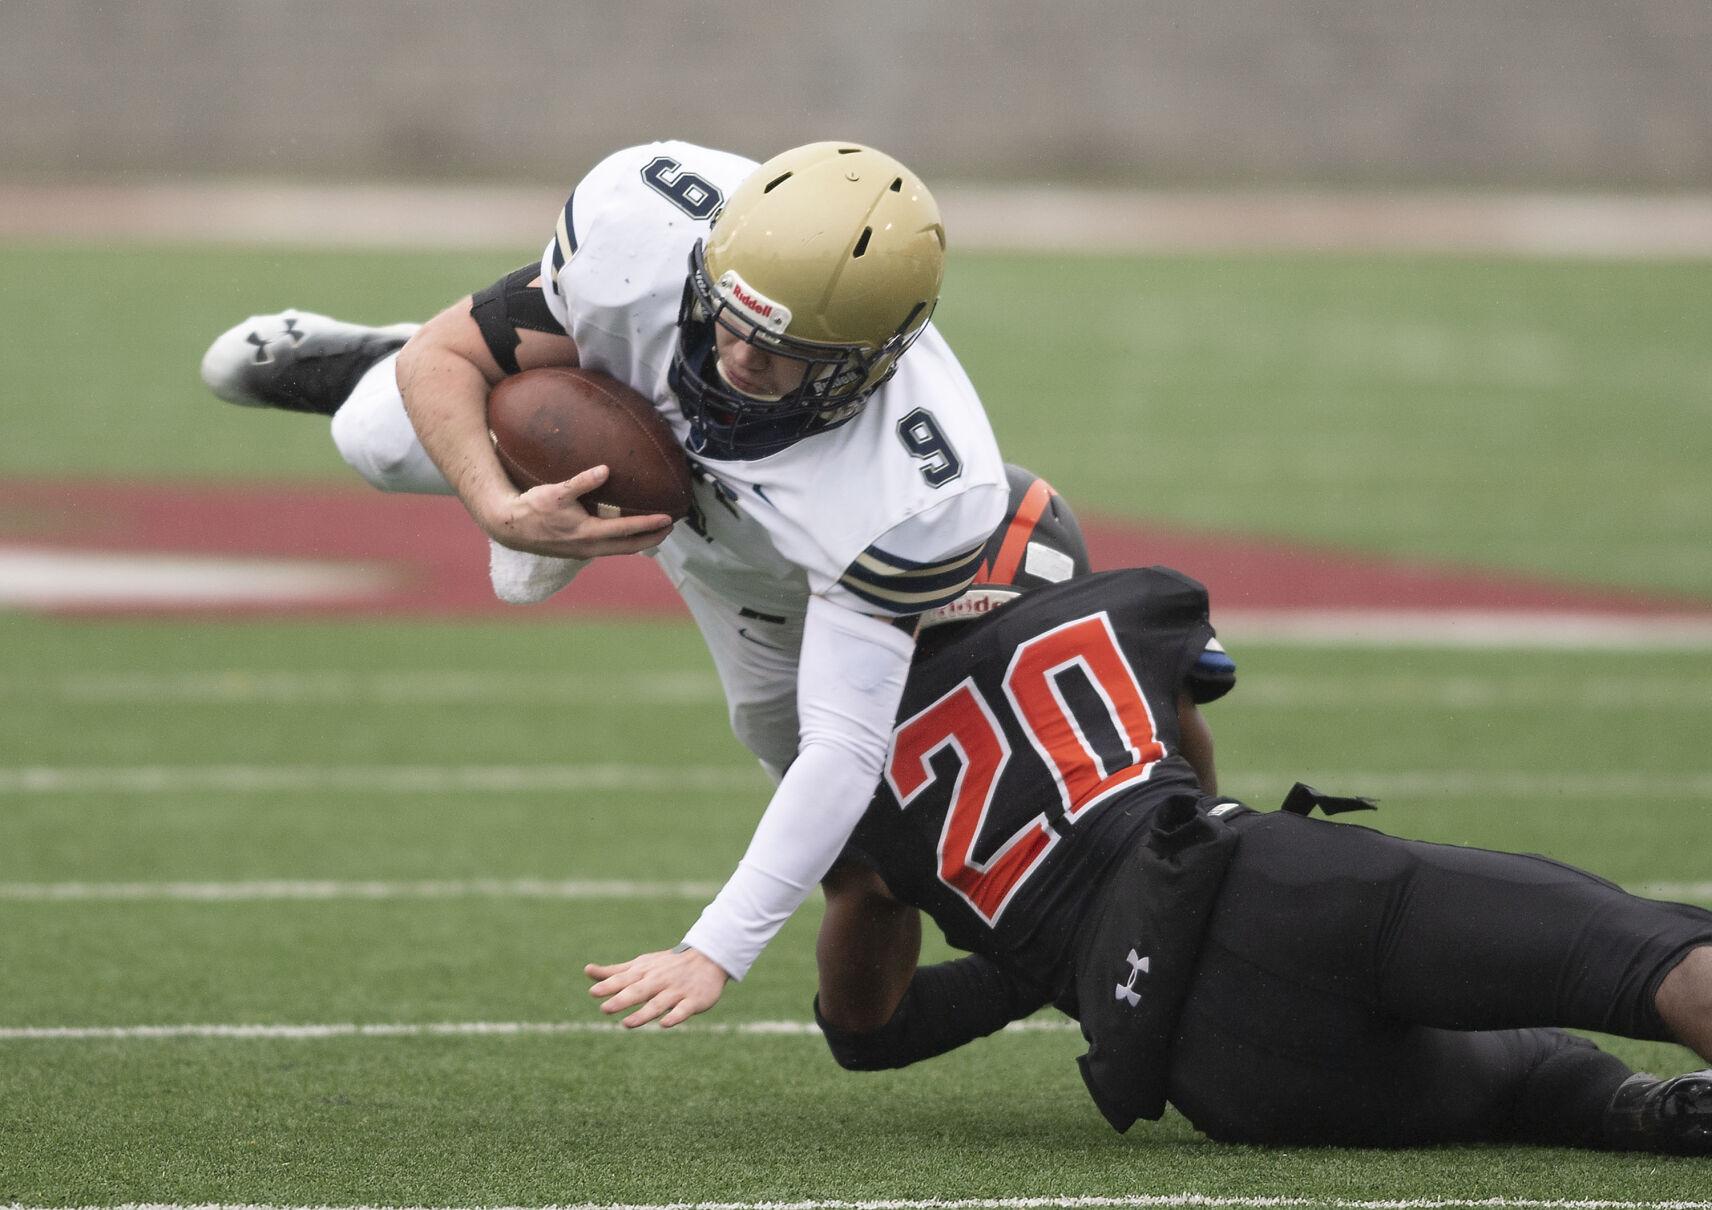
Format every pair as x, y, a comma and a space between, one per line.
885, 514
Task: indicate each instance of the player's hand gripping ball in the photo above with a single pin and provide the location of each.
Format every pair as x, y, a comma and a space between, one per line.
552, 423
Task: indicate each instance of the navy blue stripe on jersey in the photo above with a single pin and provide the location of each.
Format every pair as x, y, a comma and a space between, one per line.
564, 237
901, 585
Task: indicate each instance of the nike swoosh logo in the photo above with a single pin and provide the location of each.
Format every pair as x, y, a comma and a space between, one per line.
744, 631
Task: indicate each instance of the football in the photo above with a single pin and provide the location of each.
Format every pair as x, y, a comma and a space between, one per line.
552, 423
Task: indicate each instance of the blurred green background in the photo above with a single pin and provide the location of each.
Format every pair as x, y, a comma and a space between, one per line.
1549, 417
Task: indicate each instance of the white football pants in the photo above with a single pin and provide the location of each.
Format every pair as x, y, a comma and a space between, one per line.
756, 657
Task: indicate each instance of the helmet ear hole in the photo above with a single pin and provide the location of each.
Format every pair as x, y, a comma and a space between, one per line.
898, 184
862, 242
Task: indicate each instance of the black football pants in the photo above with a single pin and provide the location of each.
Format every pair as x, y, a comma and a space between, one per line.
1358, 989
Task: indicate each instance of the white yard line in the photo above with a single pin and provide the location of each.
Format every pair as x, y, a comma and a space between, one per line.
1553, 630
1287, 691
1474, 783
1139, 1201
441, 1029
1693, 892
340, 687
322, 889
376, 779
276, 889
592, 778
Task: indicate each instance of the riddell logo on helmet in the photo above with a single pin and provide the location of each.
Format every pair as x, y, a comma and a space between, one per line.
973, 604
763, 309
757, 307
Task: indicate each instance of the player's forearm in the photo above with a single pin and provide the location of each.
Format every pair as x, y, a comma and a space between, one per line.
946, 1005
804, 829
867, 949
850, 678
1197, 742
445, 395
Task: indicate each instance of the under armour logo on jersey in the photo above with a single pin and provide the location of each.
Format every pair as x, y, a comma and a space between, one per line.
1138, 964
291, 333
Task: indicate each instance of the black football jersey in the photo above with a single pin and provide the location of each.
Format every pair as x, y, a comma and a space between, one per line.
1030, 750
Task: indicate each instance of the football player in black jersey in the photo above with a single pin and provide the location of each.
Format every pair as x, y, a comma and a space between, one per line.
1049, 801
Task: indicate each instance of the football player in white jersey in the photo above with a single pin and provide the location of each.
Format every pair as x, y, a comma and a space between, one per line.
846, 476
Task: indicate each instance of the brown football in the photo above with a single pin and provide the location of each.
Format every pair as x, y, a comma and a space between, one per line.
552, 423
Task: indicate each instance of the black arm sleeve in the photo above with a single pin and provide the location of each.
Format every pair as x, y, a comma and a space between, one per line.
946, 1005
507, 307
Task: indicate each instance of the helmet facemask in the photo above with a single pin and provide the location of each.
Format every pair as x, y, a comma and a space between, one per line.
726, 422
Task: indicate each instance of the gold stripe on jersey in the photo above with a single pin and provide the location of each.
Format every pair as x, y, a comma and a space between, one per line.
878, 563
898, 584
908, 602
564, 241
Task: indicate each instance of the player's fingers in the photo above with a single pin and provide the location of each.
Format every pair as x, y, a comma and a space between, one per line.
649, 1011
629, 527
595, 970
625, 546
626, 992
613, 985
581, 483
588, 546
682, 1011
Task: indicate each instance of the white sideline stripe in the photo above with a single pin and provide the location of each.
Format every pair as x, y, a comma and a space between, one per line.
1138, 1201
520, 888
514, 779
245, 686
255, 686
273, 889
1499, 692
46, 579
379, 779
1467, 628
382, 214
1472, 783
299, 1033
1694, 891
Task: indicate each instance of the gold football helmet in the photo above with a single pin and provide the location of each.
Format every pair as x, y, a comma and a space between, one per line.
830, 254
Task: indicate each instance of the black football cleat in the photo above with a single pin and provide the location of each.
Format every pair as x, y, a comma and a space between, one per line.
1671, 1116
296, 360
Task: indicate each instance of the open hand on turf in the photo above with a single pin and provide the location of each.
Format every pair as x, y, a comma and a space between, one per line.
671, 985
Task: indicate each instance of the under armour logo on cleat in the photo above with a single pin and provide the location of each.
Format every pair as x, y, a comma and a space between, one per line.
293, 334
262, 356
1138, 964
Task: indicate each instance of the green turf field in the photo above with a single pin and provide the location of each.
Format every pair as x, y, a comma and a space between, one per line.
328, 824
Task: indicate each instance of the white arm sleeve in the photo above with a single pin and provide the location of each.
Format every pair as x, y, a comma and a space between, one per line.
849, 683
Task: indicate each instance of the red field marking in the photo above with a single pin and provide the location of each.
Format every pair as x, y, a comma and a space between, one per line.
437, 561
